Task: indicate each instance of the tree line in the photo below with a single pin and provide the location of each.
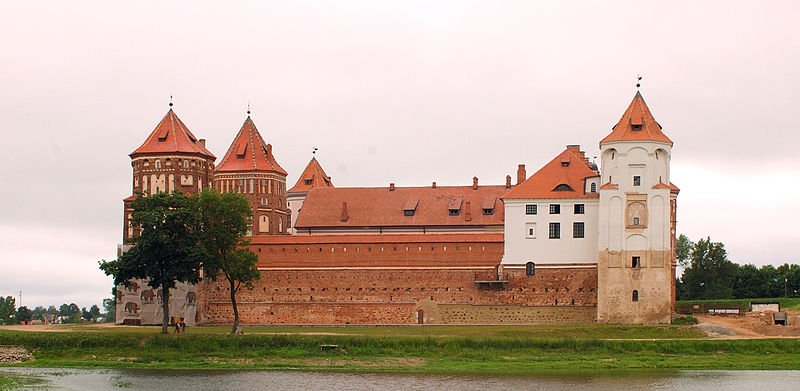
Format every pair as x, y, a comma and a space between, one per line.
66, 313
180, 236
708, 274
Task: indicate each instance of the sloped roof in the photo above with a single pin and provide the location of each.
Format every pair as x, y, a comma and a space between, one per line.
171, 135
249, 152
313, 173
569, 168
382, 207
637, 114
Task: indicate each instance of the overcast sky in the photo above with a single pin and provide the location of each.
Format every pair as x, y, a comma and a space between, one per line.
407, 92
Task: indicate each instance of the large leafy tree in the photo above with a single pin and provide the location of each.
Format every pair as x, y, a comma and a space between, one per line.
24, 314
223, 222
710, 275
165, 252
8, 310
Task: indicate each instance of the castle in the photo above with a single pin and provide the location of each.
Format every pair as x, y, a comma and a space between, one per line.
569, 244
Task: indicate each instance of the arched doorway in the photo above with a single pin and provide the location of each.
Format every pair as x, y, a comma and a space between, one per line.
420, 317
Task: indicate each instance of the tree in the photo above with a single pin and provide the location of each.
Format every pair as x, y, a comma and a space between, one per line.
166, 250
710, 274
110, 308
8, 309
683, 250
24, 314
85, 315
94, 312
223, 225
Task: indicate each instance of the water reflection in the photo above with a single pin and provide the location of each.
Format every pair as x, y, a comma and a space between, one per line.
108, 379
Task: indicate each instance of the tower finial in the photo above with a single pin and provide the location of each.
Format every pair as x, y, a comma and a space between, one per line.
638, 81
248, 107
170, 100
314, 151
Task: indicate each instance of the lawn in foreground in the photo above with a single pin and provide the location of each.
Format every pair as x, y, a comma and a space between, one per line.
500, 350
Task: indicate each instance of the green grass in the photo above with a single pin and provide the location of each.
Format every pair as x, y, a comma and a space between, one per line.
514, 352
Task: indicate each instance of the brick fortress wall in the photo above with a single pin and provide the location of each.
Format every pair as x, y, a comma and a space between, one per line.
398, 279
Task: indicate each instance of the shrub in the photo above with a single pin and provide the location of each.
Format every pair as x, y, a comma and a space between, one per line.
684, 320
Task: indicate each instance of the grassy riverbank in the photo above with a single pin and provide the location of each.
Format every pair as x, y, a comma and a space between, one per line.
446, 349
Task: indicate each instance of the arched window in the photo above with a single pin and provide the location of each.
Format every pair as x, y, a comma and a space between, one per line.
280, 224
530, 269
594, 187
158, 164
563, 187
185, 164
263, 200
635, 296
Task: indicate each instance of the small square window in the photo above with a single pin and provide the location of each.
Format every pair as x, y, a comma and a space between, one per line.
579, 209
555, 230
636, 262
637, 180
555, 209
635, 221
530, 209
578, 230
530, 230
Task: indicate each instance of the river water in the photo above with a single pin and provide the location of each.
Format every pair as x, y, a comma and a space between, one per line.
112, 379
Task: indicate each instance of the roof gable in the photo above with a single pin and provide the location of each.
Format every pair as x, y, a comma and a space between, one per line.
562, 177
172, 135
313, 176
249, 152
637, 124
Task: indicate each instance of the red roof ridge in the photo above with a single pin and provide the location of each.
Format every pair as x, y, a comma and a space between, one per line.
570, 168
637, 124
313, 173
172, 135
661, 185
249, 152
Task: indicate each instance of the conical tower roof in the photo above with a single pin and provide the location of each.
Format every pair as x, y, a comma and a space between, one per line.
171, 135
637, 124
312, 177
249, 152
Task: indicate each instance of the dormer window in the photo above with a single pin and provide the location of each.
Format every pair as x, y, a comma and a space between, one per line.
636, 127
487, 211
453, 212
241, 150
410, 207
636, 124
454, 207
563, 187
565, 162
408, 213
307, 182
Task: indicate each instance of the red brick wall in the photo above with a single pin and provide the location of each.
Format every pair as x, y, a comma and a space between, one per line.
393, 296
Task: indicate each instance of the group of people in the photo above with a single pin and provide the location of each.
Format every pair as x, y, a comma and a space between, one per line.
180, 327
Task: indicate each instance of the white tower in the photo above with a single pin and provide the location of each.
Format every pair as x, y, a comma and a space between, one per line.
636, 259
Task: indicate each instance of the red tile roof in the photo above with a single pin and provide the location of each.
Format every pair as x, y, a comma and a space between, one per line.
570, 168
171, 135
249, 152
313, 173
381, 207
384, 238
637, 114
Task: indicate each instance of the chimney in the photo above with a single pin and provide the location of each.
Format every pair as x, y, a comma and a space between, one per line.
474, 183
521, 174
345, 217
433, 185
467, 211
203, 142
391, 187
508, 181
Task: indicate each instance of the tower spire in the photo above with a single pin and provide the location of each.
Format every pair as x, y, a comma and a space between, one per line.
638, 81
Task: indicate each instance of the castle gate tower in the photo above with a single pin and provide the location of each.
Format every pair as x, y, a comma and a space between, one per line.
250, 169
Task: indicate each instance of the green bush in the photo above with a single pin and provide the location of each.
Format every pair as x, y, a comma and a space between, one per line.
684, 320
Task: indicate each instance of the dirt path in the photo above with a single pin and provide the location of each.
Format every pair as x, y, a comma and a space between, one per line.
750, 325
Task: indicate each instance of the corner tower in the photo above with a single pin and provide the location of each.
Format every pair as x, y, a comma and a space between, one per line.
312, 177
636, 259
170, 159
250, 169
